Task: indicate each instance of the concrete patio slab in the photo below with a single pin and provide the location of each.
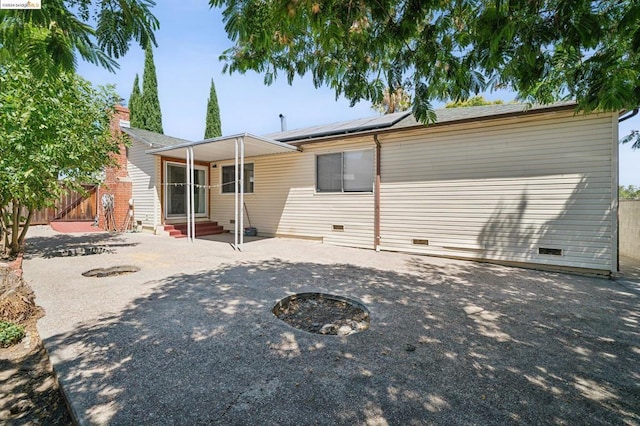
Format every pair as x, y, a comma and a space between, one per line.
190, 339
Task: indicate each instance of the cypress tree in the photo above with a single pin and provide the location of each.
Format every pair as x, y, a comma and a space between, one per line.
214, 127
134, 104
149, 107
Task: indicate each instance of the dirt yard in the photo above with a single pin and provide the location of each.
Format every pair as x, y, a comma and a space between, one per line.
29, 392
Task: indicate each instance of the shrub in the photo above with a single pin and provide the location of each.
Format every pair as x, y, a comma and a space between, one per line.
10, 333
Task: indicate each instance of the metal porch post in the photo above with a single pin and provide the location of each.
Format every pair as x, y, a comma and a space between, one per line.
188, 206
241, 207
192, 197
235, 223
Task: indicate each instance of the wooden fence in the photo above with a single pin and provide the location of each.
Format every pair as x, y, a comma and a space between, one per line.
72, 206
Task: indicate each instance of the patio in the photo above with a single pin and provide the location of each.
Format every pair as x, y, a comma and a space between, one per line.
191, 337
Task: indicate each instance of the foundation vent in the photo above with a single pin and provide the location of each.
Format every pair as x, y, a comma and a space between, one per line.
337, 227
550, 251
232, 221
419, 242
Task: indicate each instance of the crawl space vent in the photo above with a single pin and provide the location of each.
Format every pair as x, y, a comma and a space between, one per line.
418, 242
550, 251
338, 227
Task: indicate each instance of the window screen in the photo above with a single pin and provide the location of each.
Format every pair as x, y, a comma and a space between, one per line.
229, 179
350, 171
358, 171
329, 173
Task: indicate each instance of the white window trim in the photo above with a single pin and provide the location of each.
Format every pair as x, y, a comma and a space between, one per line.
341, 192
233, 192
166, 198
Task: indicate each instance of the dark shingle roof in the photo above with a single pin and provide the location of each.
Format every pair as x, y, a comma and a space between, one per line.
153, 139
405, 120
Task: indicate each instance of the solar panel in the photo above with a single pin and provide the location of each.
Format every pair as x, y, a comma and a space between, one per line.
370, 123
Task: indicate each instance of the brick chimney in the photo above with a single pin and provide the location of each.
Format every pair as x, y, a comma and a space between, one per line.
117, 181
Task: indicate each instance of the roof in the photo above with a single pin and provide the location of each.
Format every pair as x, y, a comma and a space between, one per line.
344, 127
224, 148
405, 120
153, 139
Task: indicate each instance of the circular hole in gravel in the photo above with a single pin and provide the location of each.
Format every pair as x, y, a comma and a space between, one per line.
323, 313
109, 272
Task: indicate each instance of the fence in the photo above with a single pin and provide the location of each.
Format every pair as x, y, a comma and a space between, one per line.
629, 219
72, 206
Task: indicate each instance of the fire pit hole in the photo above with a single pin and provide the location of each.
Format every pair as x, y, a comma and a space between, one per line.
112, 271
323, 314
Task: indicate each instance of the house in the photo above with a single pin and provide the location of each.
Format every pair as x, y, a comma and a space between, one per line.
533, 186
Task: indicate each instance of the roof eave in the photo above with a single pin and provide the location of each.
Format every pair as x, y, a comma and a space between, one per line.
437, 124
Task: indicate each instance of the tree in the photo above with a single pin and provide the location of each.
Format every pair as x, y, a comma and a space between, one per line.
214, 127
629, 193
50, 38
54, 133
633, 136
544, 50
475, 101
134, 104
149, 114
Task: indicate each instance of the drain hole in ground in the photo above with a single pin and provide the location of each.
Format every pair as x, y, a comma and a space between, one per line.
110, 272
323, 313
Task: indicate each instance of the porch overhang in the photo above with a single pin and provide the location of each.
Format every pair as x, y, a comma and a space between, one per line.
235, 147
224, 148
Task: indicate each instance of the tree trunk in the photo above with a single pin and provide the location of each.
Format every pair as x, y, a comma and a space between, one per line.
4, 227
25, 227
14, 247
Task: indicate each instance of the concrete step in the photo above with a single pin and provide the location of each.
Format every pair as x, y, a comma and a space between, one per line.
179, 230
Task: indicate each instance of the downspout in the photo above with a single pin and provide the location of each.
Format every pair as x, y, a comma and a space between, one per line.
376, 199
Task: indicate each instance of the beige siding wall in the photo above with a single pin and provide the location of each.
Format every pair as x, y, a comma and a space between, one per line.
501, 191
144, 171
284, 201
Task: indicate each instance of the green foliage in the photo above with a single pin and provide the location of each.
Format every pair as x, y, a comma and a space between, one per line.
474, 101
10, 333
51, 37
134, 104
543, 50
633, 136
54, 132
631, 192
149, 116
214, 127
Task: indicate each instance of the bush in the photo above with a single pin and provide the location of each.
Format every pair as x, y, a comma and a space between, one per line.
10, 333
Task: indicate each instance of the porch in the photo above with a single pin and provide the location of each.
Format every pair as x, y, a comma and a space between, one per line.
186, 184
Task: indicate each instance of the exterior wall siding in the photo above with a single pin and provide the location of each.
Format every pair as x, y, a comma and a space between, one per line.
496, 190
285, 202
503, 189
144, 172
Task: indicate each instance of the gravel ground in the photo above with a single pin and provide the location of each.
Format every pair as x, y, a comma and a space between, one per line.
191, 338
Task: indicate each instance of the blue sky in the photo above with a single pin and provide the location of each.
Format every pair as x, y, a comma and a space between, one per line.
190, 40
